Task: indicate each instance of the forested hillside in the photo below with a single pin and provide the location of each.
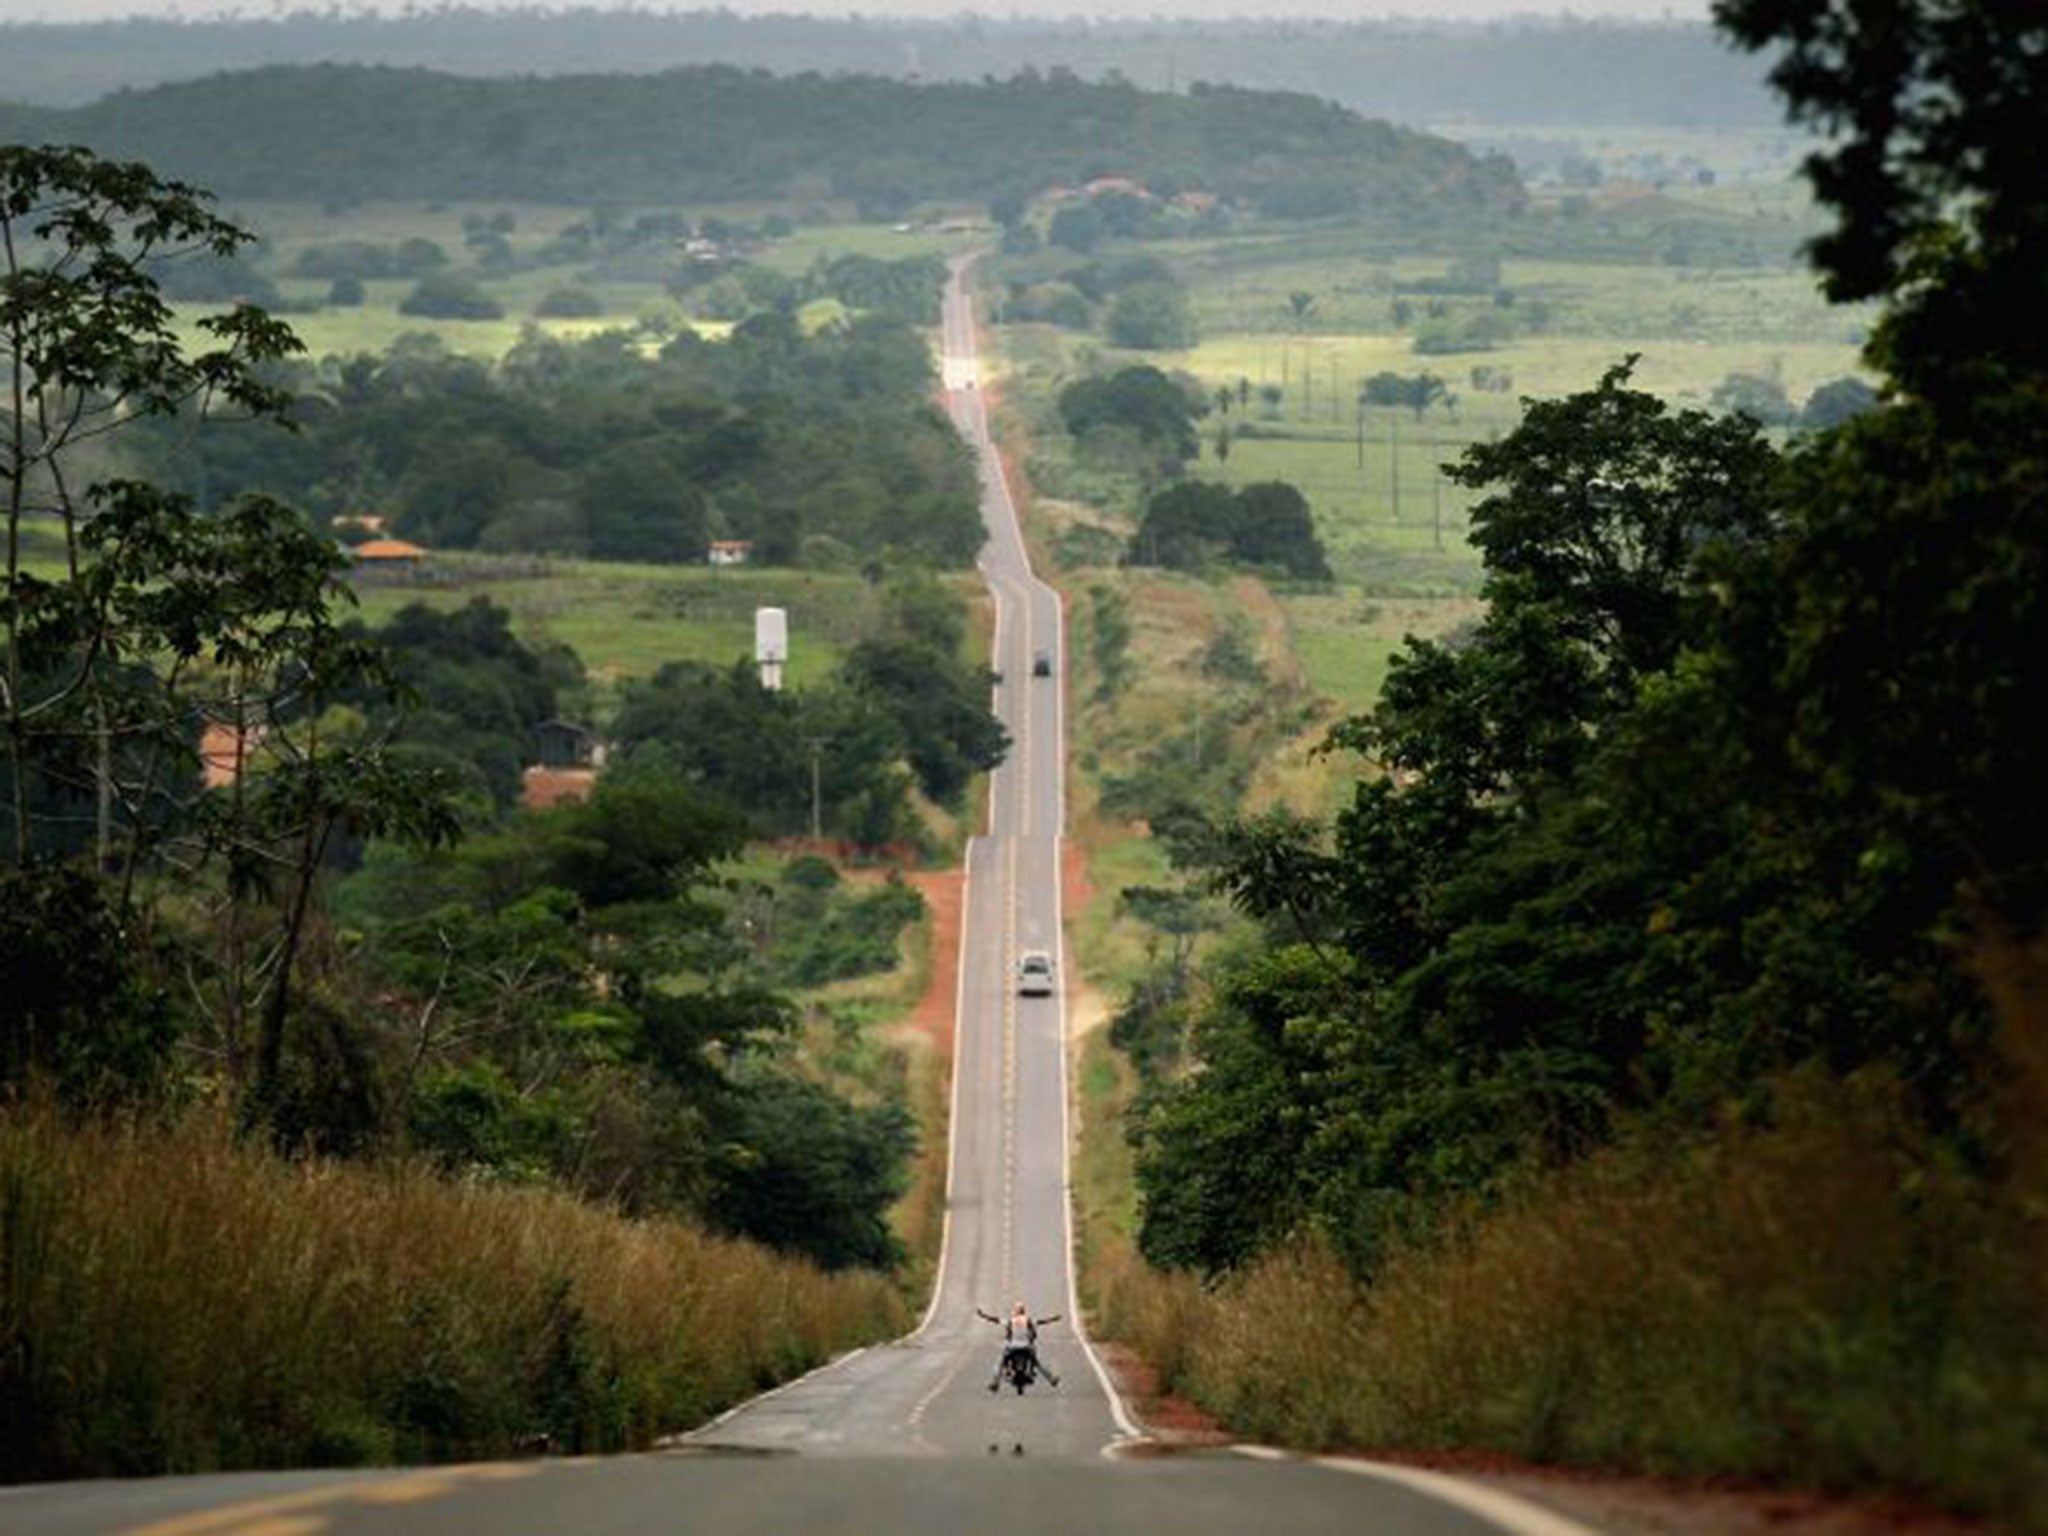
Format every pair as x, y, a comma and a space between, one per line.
723, 134
1533, 71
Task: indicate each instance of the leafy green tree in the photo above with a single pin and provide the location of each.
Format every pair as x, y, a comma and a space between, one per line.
1185, 526
1078, 227
1188, 525
751, 748
638, 504
569, 303
1272, 526
1151, 316
806, 1170
476, 693
1417, 393
450, 296
1836, 402
940, 709
164, 616
1140, 399
1758, 396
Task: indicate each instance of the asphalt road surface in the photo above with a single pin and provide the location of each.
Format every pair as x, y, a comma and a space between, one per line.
904, 1438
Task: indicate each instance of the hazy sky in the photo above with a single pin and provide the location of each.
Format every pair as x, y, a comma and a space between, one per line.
1465, 10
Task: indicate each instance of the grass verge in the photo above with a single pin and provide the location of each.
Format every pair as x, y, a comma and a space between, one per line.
174, 1300
1823, 1303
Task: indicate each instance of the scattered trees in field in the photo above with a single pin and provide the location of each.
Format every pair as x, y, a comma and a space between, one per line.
1416, 393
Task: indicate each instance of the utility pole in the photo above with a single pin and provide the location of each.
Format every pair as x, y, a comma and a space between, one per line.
1436, 485
817, 745
1394, 462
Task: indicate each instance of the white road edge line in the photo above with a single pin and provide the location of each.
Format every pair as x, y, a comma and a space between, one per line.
1510, 1512
931, 1308
1127, 1429
761, 1397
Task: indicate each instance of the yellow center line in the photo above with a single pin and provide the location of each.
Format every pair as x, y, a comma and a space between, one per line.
281, 1514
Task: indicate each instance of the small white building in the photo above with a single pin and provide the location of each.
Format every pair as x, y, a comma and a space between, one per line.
729, 552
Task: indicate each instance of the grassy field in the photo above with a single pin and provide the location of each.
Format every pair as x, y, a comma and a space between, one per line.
1307, 365
625, 621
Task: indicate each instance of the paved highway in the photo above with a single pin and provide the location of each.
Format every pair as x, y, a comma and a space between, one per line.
904, 1438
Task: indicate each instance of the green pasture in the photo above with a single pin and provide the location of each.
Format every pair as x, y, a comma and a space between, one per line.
1372, 477
625, 621
1321, 372
1344, 638
812, 243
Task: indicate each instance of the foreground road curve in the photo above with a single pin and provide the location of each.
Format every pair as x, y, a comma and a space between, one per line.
904, 1438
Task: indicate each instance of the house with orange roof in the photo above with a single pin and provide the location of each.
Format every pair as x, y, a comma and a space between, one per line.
388, 560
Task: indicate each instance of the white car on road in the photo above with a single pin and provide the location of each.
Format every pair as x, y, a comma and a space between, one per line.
1034, 974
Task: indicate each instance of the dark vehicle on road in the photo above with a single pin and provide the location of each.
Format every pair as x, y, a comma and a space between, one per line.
1041, 663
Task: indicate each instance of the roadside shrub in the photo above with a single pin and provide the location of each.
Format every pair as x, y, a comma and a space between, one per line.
852, 934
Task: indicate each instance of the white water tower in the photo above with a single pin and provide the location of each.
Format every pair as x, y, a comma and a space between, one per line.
771, 645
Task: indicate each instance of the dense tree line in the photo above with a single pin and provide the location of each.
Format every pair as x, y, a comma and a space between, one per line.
819, 447
1738, 775
724, 134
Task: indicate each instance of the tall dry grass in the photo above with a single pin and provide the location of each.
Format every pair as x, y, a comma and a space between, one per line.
171, 1299
1826, 1302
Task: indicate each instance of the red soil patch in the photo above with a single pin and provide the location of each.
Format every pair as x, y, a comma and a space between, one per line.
944, 892
1076, 889
1169, 1421
1624, 1503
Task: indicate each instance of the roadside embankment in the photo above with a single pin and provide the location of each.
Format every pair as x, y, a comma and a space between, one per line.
1825, 1303
173, 1300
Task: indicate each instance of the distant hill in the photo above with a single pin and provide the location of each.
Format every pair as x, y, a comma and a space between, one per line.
719, 134
1528, 72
